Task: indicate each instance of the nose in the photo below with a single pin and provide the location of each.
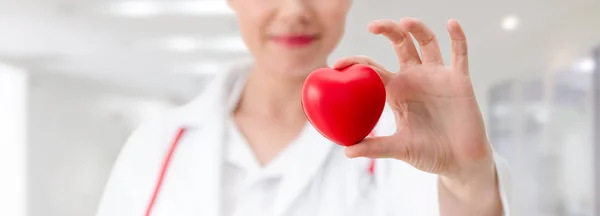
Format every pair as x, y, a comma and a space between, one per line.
295, 10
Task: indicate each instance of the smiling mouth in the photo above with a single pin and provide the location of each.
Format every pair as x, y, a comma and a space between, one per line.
294, 41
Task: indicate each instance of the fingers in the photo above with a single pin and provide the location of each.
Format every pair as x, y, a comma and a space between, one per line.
378, 147
399, 33
460, 58
349, 61
430, 49
401, 41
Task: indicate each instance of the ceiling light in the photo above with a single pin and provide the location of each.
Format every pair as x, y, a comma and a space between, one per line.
510, 23
587, 65
229, 44
182, 44
202, 7
136, 8
147, 8
185, 43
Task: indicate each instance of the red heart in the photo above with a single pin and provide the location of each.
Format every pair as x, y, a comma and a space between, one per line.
344, 106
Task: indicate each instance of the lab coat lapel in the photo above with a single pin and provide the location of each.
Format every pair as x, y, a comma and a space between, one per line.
192, 185
313, 155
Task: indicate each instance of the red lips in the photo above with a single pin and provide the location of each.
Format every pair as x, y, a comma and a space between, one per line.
344, 106
292, 41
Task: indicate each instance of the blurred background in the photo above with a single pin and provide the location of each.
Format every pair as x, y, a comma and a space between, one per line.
77, 76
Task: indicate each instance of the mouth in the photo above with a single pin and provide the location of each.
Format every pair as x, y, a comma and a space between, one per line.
294, 40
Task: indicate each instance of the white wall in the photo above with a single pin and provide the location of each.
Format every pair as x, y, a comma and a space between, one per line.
75, 135
548, 143
13, 94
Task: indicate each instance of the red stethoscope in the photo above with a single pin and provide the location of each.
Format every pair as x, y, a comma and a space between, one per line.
167, 162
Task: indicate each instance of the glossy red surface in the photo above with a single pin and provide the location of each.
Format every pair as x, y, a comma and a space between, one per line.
344, 106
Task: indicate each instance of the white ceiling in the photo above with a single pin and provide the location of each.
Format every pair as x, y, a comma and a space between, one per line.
74, 37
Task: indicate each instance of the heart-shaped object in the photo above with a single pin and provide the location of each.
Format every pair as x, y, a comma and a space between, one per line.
344, 105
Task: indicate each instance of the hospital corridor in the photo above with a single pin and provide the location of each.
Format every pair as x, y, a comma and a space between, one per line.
78, 77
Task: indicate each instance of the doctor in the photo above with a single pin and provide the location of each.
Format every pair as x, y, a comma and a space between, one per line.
244, 147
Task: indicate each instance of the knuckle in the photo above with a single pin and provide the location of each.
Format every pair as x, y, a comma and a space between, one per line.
381, 149
428, 40
397, 38
405, 19
460, 48
365, 60
363, 57
461, 52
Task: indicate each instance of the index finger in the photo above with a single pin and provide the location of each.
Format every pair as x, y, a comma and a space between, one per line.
401, 41
430, 49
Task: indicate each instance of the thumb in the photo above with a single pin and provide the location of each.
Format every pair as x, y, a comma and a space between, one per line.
378, 147
349, 61
364, 60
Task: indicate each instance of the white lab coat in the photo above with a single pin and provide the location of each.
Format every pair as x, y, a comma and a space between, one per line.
327, 184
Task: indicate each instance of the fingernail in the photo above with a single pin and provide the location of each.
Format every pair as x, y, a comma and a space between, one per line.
455, 20
378, 22
348, 153
337, 65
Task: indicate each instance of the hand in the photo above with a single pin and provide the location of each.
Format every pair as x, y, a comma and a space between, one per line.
439, 127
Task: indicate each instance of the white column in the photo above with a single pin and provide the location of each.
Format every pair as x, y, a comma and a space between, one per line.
13, 181
596, 128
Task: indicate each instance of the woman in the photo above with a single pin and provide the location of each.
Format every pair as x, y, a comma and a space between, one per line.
244, 147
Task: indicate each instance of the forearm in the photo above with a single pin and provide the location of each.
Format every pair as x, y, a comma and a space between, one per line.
477, 195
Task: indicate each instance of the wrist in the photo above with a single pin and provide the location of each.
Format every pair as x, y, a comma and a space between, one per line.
475, 194
473, 184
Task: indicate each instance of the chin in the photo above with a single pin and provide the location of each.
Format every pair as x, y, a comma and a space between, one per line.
298, 70
296, 67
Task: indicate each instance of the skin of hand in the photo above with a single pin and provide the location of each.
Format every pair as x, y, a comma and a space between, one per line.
439, 126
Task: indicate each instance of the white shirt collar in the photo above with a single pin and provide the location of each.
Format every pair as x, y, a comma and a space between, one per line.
240, 155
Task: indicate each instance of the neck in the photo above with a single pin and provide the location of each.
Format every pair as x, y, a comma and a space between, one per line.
269, 94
